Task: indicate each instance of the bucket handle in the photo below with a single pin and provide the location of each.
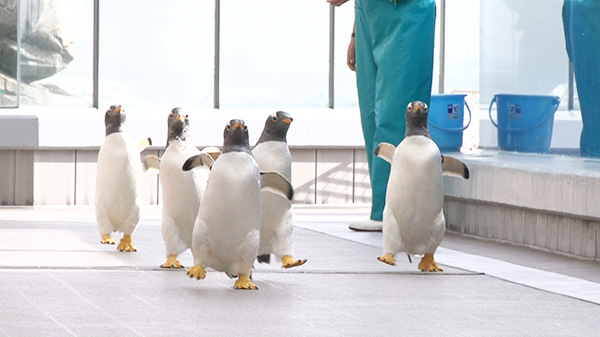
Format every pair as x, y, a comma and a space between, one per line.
454, 129
555, 104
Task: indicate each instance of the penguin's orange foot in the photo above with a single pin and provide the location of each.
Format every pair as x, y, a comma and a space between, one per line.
428, 264
197, 272
107, 240
288, 262
125, 245
172, 262
388, 258
243, 282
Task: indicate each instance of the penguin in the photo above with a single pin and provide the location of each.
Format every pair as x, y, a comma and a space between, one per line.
117, 179
272, 153
226, 231
181, 191
413, 218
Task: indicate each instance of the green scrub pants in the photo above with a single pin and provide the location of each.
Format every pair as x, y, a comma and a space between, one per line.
581, 20
394, 66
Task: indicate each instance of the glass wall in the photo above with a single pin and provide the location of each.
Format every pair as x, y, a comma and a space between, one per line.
265, 54
156, 54
274, 54
271, 53
523, 49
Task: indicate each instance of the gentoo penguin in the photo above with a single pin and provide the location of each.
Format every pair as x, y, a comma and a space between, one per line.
181, 191
117, 180
272, 154
226, 232
413, 219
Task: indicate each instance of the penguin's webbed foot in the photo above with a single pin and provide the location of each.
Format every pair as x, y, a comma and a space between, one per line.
388, 258
287, 261
125, 245
243, 282
197, 272
172, 262
427, 264
107, 240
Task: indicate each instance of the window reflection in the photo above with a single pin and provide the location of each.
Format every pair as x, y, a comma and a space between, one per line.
56, 53
8, 53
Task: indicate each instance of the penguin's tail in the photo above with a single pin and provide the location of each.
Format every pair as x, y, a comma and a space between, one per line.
265, 258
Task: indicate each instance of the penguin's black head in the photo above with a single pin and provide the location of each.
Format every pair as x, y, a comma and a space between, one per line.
236, 137
178, 125
416, 119
276, 127
114, 119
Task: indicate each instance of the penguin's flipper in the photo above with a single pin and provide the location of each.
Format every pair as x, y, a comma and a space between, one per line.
197, 272
277, 182
212, 151
144, 142
125, 245
454, 167
244, 282
428, 264
151, 162
388, 258
172, 262
202, 159
288, 261
385, 151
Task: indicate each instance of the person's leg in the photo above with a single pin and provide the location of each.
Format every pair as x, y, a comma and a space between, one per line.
403, 41
365, 81
582, 33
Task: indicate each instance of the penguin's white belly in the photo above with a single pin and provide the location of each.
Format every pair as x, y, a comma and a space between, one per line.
276, 226
182, 192
414, 222
274, 156
118, 173
226, 234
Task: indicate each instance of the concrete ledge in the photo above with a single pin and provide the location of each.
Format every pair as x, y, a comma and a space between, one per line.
551, 183
19, 131
545, 201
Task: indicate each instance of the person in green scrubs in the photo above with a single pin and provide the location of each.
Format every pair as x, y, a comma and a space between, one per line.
391, 50
581, 20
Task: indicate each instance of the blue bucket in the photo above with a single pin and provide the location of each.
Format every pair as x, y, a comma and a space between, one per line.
524, 121
445, 120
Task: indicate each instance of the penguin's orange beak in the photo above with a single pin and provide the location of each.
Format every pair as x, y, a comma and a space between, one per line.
118, 109
238, 125
420, 107
182, 118
288, 120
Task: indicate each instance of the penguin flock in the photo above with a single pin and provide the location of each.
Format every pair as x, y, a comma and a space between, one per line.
232, 206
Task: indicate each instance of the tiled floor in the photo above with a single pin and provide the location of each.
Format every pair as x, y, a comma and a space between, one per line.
57, 280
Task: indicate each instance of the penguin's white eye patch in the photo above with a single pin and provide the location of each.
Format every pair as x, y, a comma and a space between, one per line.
274, 118
409, 108
228, 127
